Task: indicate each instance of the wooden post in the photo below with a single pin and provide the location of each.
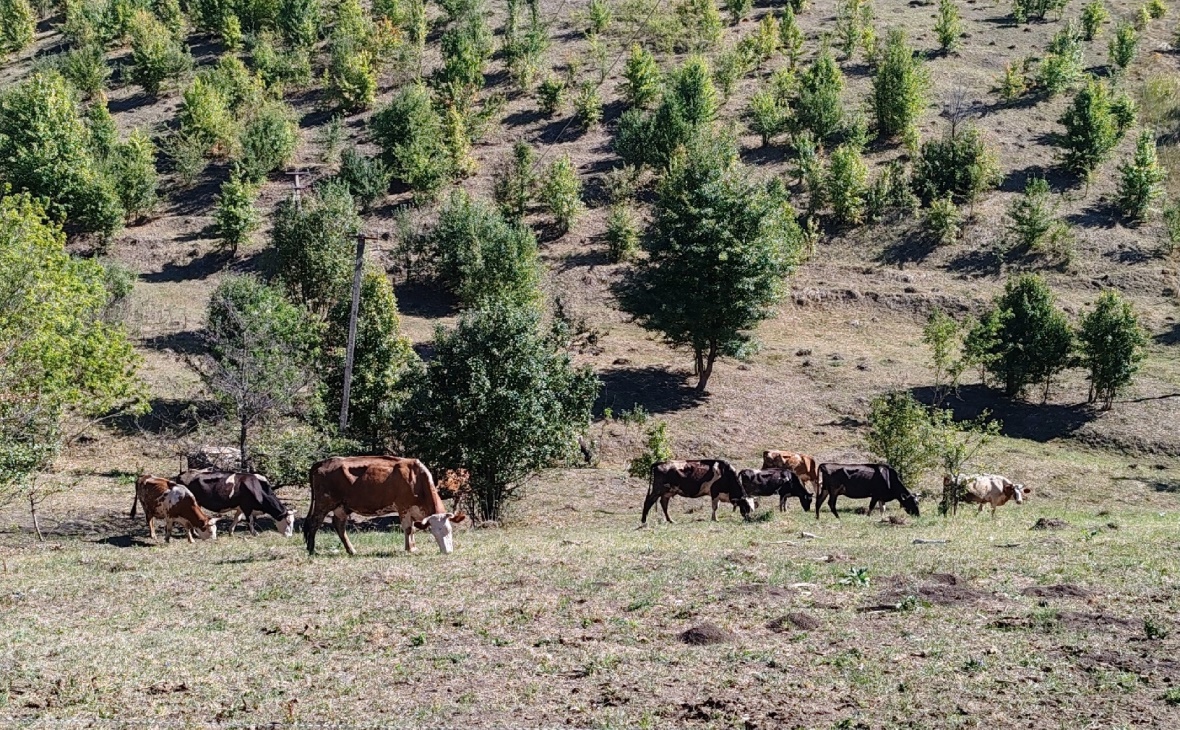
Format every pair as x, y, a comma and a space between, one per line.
297, 186
350, 351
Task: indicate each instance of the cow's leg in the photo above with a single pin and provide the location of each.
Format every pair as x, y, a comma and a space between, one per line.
151, 525
250, 521
647, 505
832, 504
408, 530
664, 500
311, 525
188, 531
340, 522
167, 529
716, 501
237, 518
872, 504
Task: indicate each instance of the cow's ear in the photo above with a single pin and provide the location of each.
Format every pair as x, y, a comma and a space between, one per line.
421, 526
457, 517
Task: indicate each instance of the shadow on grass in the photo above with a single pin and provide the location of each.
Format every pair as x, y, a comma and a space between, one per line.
1170, 337
167, 416
1032, 421
1169, 487
656, 389
201, 267
188, 342
127, 541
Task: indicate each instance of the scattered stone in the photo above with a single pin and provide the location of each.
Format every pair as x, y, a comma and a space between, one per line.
706, 634
836, 356
1050, 523
621, 361
808, 535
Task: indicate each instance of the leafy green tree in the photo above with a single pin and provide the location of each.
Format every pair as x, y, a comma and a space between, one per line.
949, 26
941, 334
961, 165
499, 398
1094, 14
367, 177
235, 216
622, 232
44, 150
820, 108
300, 21
1064, 63
478, 255
132, 166
900, 88
1033, 341
642, 85
466, 48
561, 193
262, 354
1112, 346
657, 449
847, 184
1091, 129
61, 354
206, 117
515, 186
267, 141
156, 56
18, 25
1030, 217
1123, 45
943, 220
381, 360
902, 434
1141, 178
315, 245
689, 104
768, 116
410, 133
718, 249
957, 443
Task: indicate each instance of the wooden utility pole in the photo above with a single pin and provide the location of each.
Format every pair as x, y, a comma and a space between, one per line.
350, 351
297, 186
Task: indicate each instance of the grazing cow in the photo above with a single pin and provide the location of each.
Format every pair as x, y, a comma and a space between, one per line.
803, 465
990, 489
783, 482
377, 485
878, 483
166, 500
695, 479
238, 492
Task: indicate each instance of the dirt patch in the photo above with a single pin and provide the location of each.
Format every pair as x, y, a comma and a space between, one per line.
947, 579
1061, 590
943, 589
1165, 670
1092, 621
707, 634
1050, 523
761, 589
796, 619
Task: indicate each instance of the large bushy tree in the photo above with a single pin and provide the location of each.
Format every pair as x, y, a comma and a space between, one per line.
1092, 129
900, 88
1112, 346
718, 249
315, 244
499, 398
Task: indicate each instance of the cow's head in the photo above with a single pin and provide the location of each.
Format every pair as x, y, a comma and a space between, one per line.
1017, 492
908, 502
287, 524
805, 500
209, 532
440, 526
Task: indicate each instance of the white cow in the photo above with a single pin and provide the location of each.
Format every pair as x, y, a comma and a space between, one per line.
990, 489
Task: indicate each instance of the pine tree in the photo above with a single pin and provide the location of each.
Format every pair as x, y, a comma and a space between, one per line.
790, 37
1140, 179
643, 77
820, 108
1091, 129
846, 184
1032, 341
949, 26
1094, 14
899, 88
561, 193
1123, 45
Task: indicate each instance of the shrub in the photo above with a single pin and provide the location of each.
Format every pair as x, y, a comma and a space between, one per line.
588, 105
901, 433
466, 47
820, 108
1094, 14
156, 56
479, 255
280, 67
899, 88
524, 52
847, 178
1031, 215
1013, 83
351, 79
1140, 179
1063, 64
657, 449
622, 233
410, 133
1032, 341
949, 26
561, 193
205, 116
314, 245
960, 165
1091, 129
18, 25
1112, 346
551, 92
132, 167
700, 25
943, 220
235, 216
103, 132
732, 64
1123, 45
86, 68
267, 142
890, 193
1023, 10
1156, 9
599, 15
738, 9
367, 178
300, 21
767, 116
854, 25
790, 36
642, 85
515, 186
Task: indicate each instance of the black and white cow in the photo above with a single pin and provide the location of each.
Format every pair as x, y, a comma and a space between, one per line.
240, 492
694, 479
879, 483
783, 482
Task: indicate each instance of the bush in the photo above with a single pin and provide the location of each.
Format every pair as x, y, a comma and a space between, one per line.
351, 79
551, 93
1112, 346
1140, 179
1023, 10
287, 455
187, 154
588, 105
132, 167
367, 178
732, 64
466, 47
642, 85
890, 193
1013, 83
738, 9
156, 56
622, 233
854, 25
102, 131
1094, 14
315, 245
1091, 129
790, 36
300, 22
943, 220
86, 68
278, 68
960, 165
820, 108
901, 433
236, 217
1156, 9
767, 116
515, 186
847, 178
410, 133
205, 116
700, 25
479, 255
658, 449
949, 26
1030, 340
18, 25
1063, 64
561, 193
267, 141
1123, 45
1030, 217
900, 88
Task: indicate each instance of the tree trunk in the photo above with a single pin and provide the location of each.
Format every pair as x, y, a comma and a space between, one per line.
242, 446
707, 371
33, 510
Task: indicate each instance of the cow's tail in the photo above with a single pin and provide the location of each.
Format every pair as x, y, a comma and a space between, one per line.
310, 526
134, 502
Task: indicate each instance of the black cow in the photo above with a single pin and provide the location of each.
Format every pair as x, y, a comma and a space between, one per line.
878, 483
223, 491
783, 482
694, 479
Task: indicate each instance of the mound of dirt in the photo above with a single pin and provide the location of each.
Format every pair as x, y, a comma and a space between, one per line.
706, 634
797, 619
1050, 523
1061, 590
944, 589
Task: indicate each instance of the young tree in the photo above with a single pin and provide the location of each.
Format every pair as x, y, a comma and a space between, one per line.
1123, 45
236, 217
315, 244
367, 178
262, 354
642, 85
515, 186
267, 142
1094, 14
1033, 341
961, 165
949, 26
899, 88
1141, 178
957, 443
18, 25
561, 193
382, 358
499, 398
1091, 129
768, 116
156, 56
409, 131
1112, 346
847, 183
901, 433
941, 334
820, 108
718, 249
61, 356
790, 36
132, 167
1030, 217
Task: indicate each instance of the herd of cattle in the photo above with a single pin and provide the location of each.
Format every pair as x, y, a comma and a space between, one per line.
372, 486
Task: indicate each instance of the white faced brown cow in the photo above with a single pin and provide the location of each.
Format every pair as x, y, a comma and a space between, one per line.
174, 503
377, 485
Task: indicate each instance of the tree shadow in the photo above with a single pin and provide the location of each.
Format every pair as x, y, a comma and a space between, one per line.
1128, 255
1033, 421
764, 155
195, 269
194, 200
586, 257
908, 249
418, 298
656, 389
131, 103
187, 342
1168, 487
126, 541
1170, 337
1017, 180
1100, 214
524, 117
976, 262
167, 416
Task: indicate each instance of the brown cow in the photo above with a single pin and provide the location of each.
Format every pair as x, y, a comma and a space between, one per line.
983, 489
804, 466
166, 500
377, 485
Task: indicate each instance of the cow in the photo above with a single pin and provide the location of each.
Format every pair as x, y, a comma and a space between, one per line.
783, 482
803, 465
879, 483
695, 479
163, 499
239, 492
377, 485
983, 489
